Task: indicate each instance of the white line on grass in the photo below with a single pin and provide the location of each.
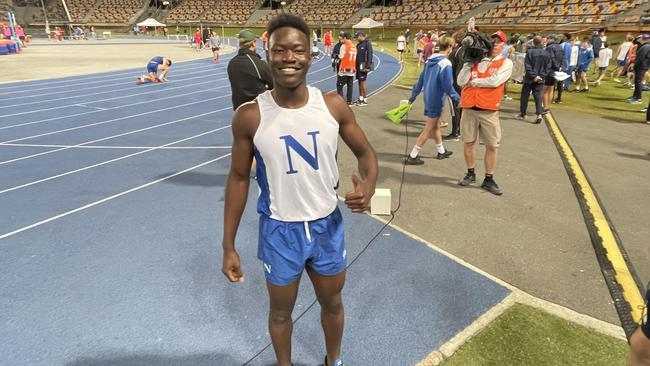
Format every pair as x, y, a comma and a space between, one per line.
67, 213
120, 106
110, 137
109, 161
122, 147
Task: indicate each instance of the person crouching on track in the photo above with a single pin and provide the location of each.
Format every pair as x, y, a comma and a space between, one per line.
437, 79
158, 63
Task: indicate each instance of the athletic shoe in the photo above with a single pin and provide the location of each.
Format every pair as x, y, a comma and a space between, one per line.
647, 122
467, 180
451, 137
337, 362
557, 101
352, 104
492, 187
539, 119
507, 97
576, 90
362, 103
643, 110
635, 101
413, 161
520, 117
444, 155
546, 111
584, 90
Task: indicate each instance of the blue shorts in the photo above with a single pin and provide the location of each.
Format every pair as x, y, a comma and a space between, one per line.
582, 68
620, 63
152, 67
285, 248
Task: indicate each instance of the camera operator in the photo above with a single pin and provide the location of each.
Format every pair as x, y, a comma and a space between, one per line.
483, 85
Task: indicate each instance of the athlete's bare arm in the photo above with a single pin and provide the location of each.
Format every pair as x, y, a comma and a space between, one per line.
353, 136
244, 124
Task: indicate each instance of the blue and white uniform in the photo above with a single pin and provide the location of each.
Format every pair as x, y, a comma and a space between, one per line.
297, 174
152, 66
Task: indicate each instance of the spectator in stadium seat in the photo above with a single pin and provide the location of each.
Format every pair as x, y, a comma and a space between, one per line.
537, 64
641, 65
249, 76
347, 67
480, 99
364, 66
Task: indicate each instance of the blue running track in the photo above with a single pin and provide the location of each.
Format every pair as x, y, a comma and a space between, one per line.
111, 203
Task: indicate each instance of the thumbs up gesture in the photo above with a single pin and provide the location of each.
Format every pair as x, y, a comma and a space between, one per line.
359, 199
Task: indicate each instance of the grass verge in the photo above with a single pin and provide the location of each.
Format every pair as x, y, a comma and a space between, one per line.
524, 335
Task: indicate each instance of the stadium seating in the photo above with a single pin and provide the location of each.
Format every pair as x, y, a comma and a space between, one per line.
116, 11
328, 12
554, 11
231, 11
423, 12
190, 10
79, 8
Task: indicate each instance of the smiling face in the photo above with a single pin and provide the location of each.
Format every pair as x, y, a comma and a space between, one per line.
289, 57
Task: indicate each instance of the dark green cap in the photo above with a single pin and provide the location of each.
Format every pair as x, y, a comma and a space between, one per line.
246, 35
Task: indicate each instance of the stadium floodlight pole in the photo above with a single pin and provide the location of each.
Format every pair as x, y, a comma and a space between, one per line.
67, 13
47, 23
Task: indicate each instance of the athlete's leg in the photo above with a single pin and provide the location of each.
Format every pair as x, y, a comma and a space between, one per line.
490, 159
328, 292
470, 154
152, 76
165, 71
281, 302
639, 349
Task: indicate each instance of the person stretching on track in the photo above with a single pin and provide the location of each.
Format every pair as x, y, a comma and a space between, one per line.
293, 132
158, 63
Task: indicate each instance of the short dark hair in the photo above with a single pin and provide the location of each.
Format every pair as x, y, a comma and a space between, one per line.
287, 20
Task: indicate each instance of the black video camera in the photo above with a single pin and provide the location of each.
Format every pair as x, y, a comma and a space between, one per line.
477, 46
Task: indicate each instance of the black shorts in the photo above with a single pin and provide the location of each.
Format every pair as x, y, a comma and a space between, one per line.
215, 49
361, 76
645, 327
550, 81
400, 51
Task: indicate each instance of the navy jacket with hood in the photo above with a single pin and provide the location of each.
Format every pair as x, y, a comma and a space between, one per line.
437, 80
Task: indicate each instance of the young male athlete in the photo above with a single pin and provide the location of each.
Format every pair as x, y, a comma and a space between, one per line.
158, 63
293, 131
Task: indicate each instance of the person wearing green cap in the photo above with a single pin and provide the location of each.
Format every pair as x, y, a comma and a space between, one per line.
249, 76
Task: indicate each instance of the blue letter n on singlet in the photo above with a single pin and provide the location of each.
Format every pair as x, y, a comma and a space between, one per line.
291, 143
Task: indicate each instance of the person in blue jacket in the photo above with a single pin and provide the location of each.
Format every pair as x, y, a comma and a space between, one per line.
585, 57
564, 84
437, 80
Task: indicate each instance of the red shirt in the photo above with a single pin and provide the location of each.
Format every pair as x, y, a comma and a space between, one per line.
327, 39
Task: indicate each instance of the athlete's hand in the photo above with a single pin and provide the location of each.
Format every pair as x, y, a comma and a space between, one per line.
359, 199
231, 266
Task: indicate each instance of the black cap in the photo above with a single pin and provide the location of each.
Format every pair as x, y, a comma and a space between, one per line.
360, 33
345, 35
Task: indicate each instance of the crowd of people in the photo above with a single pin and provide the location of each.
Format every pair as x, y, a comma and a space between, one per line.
20, 34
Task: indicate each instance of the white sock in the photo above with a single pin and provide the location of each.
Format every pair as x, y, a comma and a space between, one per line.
415, 152
440, 148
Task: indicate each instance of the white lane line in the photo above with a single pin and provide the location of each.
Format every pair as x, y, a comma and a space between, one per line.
67, 213
114, 98
124, 105
98, 123
70, 95
89, 106
121, 147
109, 137
109, 161
133, 87
80, 81
113, 120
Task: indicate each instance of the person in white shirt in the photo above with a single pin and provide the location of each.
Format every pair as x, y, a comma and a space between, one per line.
622, 55
401, 46
573, 60
604, 56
